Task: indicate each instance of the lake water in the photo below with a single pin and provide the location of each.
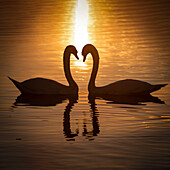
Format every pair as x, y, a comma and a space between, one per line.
133, 40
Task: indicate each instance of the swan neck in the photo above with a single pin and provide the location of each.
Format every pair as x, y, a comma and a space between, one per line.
95, 57
66, 62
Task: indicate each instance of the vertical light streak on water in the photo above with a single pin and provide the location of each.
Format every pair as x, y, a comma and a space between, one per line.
81, 24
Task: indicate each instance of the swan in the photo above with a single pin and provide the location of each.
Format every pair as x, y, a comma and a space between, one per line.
47, 86
122, 87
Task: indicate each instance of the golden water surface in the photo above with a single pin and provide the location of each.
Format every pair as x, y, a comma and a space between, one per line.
133, 41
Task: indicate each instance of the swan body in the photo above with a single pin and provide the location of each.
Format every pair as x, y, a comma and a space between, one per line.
126, 87
42, 86
47, 86
122, 87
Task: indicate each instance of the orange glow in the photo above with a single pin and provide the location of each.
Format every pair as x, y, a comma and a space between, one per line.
81, 32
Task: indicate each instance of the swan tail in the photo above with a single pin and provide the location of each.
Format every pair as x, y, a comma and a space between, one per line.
16, 83
157, 87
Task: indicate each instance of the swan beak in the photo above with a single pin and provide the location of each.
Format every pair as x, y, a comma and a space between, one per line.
77, 56
84, 58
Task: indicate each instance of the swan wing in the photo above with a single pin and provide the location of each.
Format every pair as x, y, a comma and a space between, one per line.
129, 87
43, 86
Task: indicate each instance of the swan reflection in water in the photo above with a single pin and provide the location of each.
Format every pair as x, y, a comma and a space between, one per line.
42, 99
95, 122
131, 100
66, 120
53, 100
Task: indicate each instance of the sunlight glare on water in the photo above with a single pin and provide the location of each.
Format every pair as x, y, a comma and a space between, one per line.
40, 132
81, 32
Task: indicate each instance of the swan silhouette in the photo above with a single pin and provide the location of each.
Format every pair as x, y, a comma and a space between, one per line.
122, 87
47, 86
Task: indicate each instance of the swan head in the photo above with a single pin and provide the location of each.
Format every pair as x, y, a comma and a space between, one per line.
72, 50
88, 48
